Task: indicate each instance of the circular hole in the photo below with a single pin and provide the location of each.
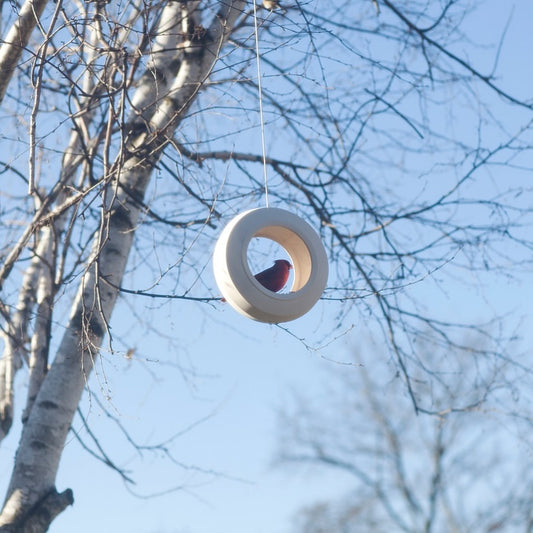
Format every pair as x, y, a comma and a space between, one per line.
296, 247
262, 253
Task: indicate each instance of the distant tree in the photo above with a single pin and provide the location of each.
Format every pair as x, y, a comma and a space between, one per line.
461, 470
130, 134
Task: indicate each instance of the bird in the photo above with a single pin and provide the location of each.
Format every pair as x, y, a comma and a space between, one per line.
272, 5
275, 277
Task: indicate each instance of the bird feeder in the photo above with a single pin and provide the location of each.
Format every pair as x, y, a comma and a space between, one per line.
237, 283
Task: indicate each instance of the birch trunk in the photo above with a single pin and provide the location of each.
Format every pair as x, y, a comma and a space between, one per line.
32, 500
17, 39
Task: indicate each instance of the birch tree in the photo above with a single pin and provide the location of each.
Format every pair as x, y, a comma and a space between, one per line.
182, 58
128, 125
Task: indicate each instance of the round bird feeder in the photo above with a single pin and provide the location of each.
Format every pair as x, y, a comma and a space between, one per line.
238, 285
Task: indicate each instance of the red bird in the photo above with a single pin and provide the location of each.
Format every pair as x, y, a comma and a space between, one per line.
275, 277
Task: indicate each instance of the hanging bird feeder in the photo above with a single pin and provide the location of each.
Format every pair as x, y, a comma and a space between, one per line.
236, 282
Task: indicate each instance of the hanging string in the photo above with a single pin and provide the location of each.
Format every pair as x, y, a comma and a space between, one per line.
259, 88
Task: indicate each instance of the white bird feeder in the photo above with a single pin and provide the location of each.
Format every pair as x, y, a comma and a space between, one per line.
238, 285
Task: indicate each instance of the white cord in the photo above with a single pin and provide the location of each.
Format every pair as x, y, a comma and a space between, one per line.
259, 87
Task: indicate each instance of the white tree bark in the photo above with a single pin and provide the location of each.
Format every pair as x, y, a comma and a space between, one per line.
40, 340
17, 39
14, 339
31, 489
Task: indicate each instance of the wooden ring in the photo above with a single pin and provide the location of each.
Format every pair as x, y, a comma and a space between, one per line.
239, 287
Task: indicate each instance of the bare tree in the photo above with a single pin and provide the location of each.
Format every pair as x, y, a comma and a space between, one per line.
127, 127
458, 471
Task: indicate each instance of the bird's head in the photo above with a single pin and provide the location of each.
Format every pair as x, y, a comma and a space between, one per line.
283, 262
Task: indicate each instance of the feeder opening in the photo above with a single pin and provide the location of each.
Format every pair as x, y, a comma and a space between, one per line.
261, 254
297, 250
